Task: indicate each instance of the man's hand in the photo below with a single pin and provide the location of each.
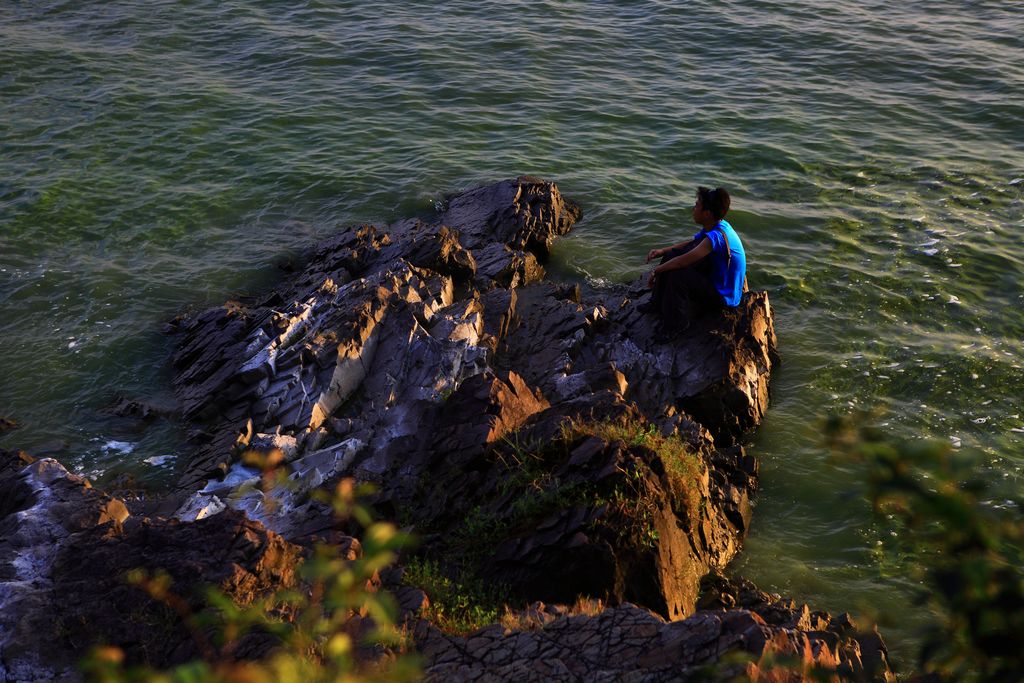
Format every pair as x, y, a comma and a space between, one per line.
653, 254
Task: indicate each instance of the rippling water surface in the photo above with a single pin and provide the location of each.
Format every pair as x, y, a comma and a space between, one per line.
162, 156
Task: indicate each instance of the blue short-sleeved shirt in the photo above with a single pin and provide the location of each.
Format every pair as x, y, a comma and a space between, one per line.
728, 273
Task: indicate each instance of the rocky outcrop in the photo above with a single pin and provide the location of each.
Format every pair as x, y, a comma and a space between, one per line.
66, 550
228, 552
41, 507
566, 506
415, 355
855, 653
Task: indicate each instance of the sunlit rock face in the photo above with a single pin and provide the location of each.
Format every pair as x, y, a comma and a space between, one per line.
413, 355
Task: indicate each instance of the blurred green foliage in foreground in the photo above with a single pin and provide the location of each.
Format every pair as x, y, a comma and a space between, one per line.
320, 627
970, 550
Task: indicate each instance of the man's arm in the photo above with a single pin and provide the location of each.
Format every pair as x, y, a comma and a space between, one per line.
658, 253
682, 261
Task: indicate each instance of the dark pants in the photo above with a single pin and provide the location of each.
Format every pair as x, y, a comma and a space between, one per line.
684, 294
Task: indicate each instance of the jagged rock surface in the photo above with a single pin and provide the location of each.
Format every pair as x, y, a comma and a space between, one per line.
229, 552
858, 653
771, 640
554, 514
66, 550
42, 506
411, 355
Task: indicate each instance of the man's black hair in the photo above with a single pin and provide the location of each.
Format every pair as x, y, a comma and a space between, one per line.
716, 201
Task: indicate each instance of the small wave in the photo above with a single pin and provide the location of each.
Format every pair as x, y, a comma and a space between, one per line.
118, 446
598, 282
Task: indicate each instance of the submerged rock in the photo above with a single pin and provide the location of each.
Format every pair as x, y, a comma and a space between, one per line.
142, 409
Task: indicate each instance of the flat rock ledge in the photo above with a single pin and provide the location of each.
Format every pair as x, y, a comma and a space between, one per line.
541, 437
767, 639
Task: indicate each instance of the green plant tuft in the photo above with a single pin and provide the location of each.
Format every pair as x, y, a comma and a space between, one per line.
456, 606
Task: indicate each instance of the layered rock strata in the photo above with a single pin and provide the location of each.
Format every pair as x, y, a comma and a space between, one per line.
430, 357
768, 640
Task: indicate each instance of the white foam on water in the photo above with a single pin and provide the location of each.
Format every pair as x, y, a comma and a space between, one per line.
159, 460
119, 446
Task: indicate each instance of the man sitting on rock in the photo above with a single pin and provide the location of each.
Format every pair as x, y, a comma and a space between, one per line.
703, 274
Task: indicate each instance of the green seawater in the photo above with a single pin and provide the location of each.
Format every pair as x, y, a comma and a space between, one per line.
158, 157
